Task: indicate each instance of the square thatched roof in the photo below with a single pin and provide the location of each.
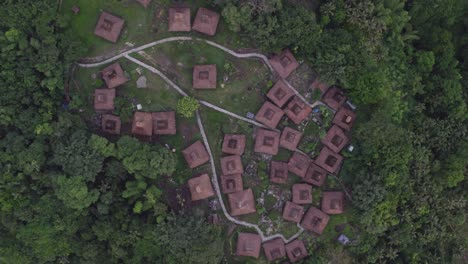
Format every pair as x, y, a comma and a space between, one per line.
297, 110
266, 141
242, 203
315, 220
196, 154
335, 139
284, 63
329, 160
104, 99
248, 245
179, 19
298, 164
200, 187
278, 172
290, 138
234, 144
206, 21
333, 202
232, 165
164, 123
204, 76
280, 93
109, 27
111, 124
142, 124
302, 193
269, 114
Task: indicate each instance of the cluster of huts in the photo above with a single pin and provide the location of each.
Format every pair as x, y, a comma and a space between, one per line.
109, 27
283, 101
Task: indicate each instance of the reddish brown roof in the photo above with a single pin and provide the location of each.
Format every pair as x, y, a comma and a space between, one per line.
284, 64
317, 84
297, 110
76, 10
298, 164
315, 175
274, 249
142, 124
206, 21
104, 99
144, 3
290, 138
242, 202
280, 93
113, 75
266, 141
232, 165
333, 202
196, 154
302, 193
179, 19
248, 245
334, 98
344, 118
111, 124
329, 160
269, 114
335, 139
293, 212
231, 183
109, 27
278, 172
204, 76
234, 144
296, 251
200, 187
164, 123
315, 220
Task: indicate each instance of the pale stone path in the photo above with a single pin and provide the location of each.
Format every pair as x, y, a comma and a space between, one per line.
214, 178
215, 182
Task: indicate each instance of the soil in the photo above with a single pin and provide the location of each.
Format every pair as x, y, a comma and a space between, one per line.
187, 132
177, 198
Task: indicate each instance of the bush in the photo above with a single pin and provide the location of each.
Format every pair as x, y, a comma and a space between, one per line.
187, 106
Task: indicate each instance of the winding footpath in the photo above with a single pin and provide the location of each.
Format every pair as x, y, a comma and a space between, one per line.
214, 179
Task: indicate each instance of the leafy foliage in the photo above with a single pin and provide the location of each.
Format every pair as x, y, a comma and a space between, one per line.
186, 106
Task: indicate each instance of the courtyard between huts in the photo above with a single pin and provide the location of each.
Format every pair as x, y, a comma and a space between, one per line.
293, 125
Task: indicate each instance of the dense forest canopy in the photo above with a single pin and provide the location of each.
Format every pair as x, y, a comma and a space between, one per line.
70, 196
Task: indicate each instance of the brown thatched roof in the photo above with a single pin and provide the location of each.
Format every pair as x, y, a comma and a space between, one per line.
280, 93
234, 144
293, 212
266, 141
206, 21
284, 64
298, 164
329, 160
315, 220
200, 187
164, 123
113, 75
109, 27
248, 245
196, 154
290, 138
315, 175
179, 19
344, 118
204, 76
296, 251
302, 193
335, 139
231, 183
274, 249
104, 99
142, 124
297, 110
111, 124
333, 202
269, 114
334, 98
278, 172
242, 202
232, 165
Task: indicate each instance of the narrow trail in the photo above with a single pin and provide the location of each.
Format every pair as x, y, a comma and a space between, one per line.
215, 182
